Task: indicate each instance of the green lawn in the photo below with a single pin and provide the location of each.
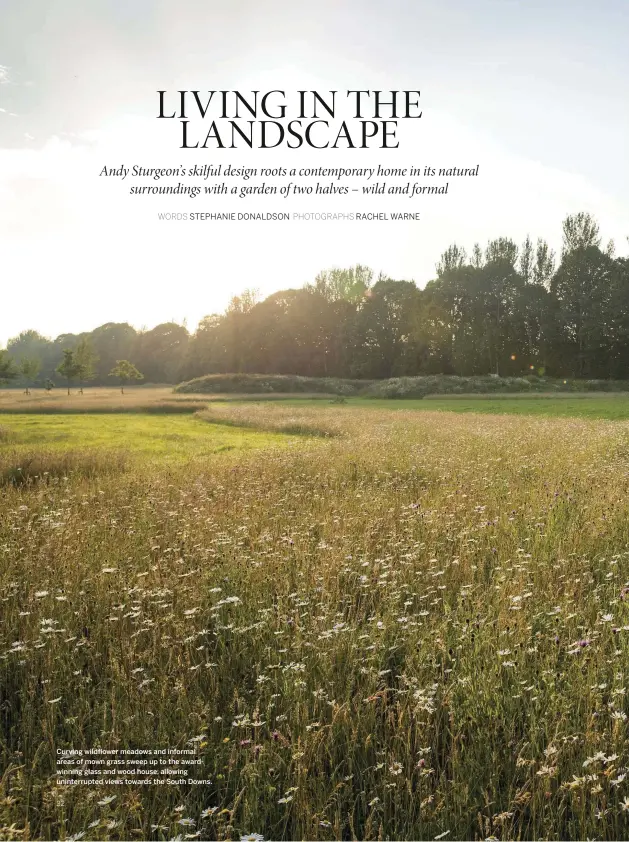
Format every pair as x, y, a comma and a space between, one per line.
611, 408
161, 436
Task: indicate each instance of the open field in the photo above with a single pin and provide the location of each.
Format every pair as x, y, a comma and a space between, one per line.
612, 406
97, 400
368, 623
163, 400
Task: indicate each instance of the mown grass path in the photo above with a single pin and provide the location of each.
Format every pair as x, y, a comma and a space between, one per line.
165, 436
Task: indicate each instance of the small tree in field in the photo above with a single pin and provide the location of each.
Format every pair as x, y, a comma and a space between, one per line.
7, 369
29, 369
85, 358
125, 371
68, 367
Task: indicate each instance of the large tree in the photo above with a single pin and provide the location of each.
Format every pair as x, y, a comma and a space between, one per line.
583, 287
112, 341
383, 342
160, 352
344, 284
7, 367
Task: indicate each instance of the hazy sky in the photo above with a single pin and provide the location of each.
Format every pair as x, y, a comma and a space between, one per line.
535, 91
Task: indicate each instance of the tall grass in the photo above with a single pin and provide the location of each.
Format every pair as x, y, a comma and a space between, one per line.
27, 468
416, 628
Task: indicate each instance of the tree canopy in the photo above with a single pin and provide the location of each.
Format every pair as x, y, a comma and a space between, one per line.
505, 308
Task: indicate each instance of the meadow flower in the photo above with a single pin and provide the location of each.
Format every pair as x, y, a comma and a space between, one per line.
599, 757
252, 837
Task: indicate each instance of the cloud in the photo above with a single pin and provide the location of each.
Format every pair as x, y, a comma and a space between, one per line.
4, 75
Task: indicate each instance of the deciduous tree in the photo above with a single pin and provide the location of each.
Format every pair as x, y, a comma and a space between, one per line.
29, 369
68, 367
125, 372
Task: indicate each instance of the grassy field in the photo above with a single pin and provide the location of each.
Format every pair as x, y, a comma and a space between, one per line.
166, 437
367, 623
612, 406
162, 400
159, 399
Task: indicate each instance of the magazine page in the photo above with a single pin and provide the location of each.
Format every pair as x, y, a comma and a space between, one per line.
314, 403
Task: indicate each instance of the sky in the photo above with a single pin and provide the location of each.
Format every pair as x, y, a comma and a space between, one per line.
533, 92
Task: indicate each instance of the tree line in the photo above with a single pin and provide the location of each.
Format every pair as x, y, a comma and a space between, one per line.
505, 309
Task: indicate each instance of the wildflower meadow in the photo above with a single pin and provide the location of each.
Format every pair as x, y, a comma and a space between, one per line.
362, 623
